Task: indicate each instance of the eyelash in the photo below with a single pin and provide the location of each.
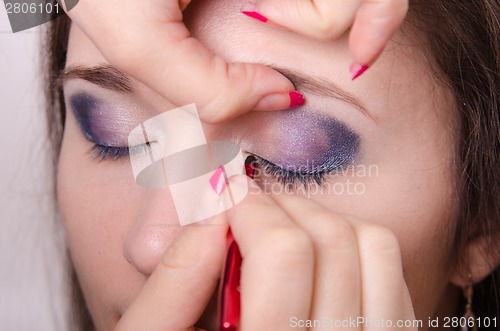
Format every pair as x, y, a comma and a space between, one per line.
287, 178
291, 178
108, 153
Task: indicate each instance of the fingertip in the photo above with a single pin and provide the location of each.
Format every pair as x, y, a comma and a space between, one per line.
297, 99
374, 25
357, 70
280, 101
365, 50
245, 87
243, 185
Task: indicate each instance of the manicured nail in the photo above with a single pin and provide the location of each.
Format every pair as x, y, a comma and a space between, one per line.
255, 15
296, 99
218, 181
357, 70
280, 101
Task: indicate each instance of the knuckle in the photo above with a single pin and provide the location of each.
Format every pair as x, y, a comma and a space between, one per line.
325, 28
325, 22
378, 241
243, 210
210, 115
332, 233
176, 258
288, 248
242, 84
235, 83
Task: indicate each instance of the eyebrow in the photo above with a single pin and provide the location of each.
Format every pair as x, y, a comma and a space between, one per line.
321, 87
105, 76
111, 78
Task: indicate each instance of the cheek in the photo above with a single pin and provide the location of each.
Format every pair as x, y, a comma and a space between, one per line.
422, 205
96, 202
419, 208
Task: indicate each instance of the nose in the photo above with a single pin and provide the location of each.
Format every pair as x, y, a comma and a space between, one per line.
154, 229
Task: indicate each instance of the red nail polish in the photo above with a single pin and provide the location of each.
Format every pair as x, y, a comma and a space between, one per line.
255, 15
357, 70
218, 181
296, 99
230, 288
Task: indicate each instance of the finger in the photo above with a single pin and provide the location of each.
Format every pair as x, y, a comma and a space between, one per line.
385, 297
150, 42
337, 290
375, 23
278, 263
182, 284
321, 19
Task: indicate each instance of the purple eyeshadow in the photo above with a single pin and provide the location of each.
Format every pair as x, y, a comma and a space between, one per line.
314, 142
83, 106
96, 123
297, 140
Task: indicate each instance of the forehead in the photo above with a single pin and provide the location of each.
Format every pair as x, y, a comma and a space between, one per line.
81, 50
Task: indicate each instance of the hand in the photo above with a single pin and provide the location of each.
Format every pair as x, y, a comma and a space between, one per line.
178, 291
149, 41
300, 261
373, 22
310, 263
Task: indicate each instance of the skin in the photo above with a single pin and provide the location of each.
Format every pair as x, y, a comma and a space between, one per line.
225, 90
126, 246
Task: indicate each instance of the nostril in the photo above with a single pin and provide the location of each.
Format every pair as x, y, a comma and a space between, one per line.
144, 245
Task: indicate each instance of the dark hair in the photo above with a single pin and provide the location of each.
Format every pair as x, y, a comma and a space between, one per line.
461, 38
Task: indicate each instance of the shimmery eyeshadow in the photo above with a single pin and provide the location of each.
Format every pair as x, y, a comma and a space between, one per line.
99, 122
312, 142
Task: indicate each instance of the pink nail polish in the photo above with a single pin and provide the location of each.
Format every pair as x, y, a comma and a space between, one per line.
296, 99
357, 70
218, 181
255, 15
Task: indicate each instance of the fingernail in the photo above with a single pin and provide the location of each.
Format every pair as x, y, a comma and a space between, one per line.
255, 15
357, 70
218, 181
280, 101
296, 99
250, 9
213, 200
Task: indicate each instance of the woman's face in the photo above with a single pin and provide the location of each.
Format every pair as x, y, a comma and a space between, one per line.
387, 138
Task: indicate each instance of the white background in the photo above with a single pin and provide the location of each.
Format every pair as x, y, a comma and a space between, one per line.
32, 292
